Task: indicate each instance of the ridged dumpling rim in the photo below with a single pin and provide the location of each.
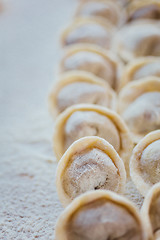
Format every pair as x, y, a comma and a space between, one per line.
88, 197
73, 77
135, 172
81, 145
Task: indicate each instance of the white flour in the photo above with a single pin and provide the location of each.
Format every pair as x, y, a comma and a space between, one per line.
29, 53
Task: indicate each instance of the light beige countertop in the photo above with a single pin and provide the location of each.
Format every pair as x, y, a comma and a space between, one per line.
29, 54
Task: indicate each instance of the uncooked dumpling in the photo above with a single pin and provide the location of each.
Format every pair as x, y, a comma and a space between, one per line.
90, 120
143, 115
93, 59
90, 123
87, 31
100, 215
151, 212
139, 106
145, 162
80, 87
140, 68
137, 39
149, 9
107, 9
90, 160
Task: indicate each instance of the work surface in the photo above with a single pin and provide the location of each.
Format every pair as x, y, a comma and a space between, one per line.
29, 54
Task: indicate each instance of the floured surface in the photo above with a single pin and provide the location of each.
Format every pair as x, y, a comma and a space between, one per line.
30, 51
29, 48
132, 194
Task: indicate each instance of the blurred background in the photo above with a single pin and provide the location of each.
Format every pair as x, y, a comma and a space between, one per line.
29, 54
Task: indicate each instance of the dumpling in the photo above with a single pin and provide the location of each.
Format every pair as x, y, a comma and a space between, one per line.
80, 87
90, 163
146, 9
88, 30
145, 162
93, 59
100, 215
137, 39
90, 120
151, 212
139, 106
140, 68
106, 9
